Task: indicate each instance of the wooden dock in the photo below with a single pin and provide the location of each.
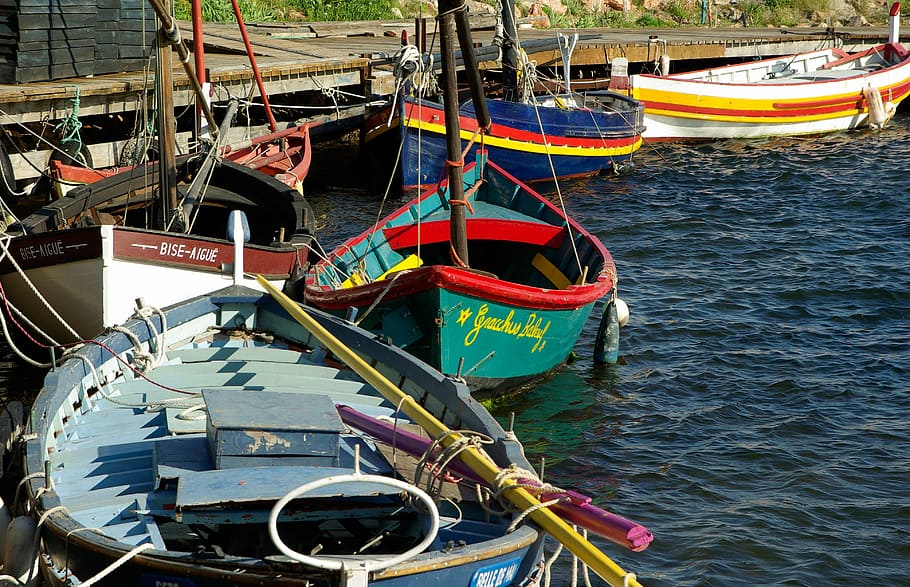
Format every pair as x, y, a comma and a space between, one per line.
330, 72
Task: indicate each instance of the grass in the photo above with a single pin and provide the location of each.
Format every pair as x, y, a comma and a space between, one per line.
289, 10
675, 13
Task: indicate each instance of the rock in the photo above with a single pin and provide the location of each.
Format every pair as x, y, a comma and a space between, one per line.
477, 7
537, 17
857, 20
556, 6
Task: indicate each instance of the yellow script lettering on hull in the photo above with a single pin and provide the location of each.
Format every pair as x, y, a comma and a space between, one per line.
532, 328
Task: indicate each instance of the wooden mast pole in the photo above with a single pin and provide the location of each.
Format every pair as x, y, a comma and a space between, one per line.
509, 52
171, 33
167, 131
454, 160
472, 70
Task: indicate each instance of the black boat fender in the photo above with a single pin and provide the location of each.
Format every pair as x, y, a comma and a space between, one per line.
606, 344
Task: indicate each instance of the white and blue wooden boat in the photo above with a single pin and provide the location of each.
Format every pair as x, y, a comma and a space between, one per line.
201, 445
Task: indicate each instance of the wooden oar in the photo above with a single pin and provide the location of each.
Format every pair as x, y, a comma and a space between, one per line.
571, 506
477, 460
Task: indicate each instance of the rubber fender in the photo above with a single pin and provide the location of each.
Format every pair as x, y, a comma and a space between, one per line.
18, 554
606, 344
5, 519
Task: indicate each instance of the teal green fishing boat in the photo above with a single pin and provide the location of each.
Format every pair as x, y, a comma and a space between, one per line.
513, 313
480, 276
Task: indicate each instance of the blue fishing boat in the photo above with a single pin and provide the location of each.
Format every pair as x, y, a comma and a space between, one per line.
201, 445
237, 439
578, 134
534, 137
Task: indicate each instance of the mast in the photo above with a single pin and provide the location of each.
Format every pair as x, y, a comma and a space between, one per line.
509, 52
167, 132
450, 12
171, 36
273, 126
472, 70
454, 163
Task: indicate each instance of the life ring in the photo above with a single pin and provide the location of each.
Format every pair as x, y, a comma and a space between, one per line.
337, 563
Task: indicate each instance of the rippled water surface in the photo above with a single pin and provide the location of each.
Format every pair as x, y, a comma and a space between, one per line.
759, 420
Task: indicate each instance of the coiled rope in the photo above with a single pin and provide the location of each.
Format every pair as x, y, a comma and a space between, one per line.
69, 128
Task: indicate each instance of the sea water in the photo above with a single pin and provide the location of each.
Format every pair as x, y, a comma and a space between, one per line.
758, 422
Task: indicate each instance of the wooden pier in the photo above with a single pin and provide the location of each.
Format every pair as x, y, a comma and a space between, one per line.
331, 72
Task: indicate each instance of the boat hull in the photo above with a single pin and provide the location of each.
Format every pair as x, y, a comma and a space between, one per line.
93, 276
470, 326
496, 564
81, 256
514, 315
578, 142
285, 155
809, 93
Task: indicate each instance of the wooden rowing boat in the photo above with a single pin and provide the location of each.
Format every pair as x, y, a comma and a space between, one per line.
202, 445
806, 93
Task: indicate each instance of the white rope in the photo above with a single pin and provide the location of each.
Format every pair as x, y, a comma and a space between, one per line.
12, 345
339, 107
146, 360
189, 413
21, 484
527, 512
549, 563
98, 383
117, 564
142, 360
145, 312
4, 242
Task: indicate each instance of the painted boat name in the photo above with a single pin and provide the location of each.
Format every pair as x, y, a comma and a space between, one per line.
51, 249
496, 576
182, 251
533, 327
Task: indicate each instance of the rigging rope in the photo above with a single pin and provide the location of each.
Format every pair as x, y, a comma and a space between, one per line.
69, 128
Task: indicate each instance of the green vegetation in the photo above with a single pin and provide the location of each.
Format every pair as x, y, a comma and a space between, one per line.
794, 12
323, 10
673, 13
290, 10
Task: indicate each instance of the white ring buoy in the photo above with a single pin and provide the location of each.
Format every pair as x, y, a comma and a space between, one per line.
337, 564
